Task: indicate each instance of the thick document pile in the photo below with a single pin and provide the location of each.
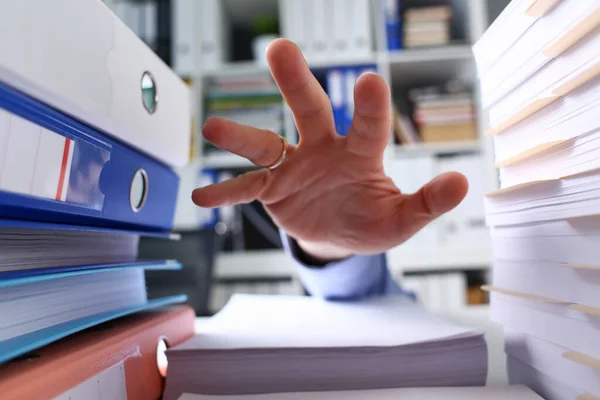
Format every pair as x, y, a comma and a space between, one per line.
539, 66
31, 249
269, 344
88, 153
516, 392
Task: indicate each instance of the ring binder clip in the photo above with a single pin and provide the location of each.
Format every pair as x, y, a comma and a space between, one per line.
149, 92
162, 363
139, 190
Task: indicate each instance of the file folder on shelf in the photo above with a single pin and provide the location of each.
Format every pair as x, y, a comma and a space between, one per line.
186, 48
55, 169
85, 62
43, 332
122, 355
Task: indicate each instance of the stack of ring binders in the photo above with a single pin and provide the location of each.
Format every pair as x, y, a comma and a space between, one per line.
92, 126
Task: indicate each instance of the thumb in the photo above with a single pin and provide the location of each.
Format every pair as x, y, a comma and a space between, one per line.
435, 198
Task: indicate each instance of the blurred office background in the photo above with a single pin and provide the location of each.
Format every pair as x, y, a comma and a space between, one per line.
421, 47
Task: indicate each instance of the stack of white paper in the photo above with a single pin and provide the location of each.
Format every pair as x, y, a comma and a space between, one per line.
269, 344
539, 67
44, 302
28, 249
516, 392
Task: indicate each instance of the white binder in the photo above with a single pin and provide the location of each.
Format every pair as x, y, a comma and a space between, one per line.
186, 37
213, 37
360, 44
82, 60
294, 15
342, 29
319, 32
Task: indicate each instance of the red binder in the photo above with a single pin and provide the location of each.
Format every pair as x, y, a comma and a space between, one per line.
118, 357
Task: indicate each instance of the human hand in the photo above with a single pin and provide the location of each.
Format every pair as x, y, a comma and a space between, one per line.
331, 192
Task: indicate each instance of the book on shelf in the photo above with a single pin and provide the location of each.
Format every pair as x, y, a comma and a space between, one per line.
392, 17
539, 67
444, 113
403, 126
426, 26
339, 85
249, 100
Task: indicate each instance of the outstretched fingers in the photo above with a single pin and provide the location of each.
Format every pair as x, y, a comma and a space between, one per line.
305, 96
437, 197
261, 146
372, 123
240, 190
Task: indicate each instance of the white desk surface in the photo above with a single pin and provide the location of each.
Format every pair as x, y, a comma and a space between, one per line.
476, 317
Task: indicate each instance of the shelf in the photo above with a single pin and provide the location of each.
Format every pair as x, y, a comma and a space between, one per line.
451, 52
225, 160
238, 69
417, 149
265, 264
270, 264
421, 67
332, 62
253, 68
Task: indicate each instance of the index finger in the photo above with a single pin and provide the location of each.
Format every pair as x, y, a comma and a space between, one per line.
305, 96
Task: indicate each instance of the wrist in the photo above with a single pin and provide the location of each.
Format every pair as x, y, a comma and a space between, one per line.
322, 253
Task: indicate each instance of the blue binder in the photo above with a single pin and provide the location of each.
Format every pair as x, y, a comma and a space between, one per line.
11, 278
393, 24
23, 344
23, 224
69, 173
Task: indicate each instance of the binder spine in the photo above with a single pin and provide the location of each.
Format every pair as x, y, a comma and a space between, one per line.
335, 90
55, 169
393, 24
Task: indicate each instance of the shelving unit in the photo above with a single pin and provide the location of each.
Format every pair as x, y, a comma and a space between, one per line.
464, 146
265, 264
402, 70
432, 54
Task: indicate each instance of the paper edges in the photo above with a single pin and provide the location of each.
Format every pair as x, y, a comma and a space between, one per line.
559, 90
538, 8
595, 311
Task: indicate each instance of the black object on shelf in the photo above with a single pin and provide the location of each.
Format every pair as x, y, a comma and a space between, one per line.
196, 251
164, 39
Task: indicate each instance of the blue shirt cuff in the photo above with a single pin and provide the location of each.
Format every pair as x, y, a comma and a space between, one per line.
354, 277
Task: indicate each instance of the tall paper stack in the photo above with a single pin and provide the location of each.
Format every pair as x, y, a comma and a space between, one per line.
539, 65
